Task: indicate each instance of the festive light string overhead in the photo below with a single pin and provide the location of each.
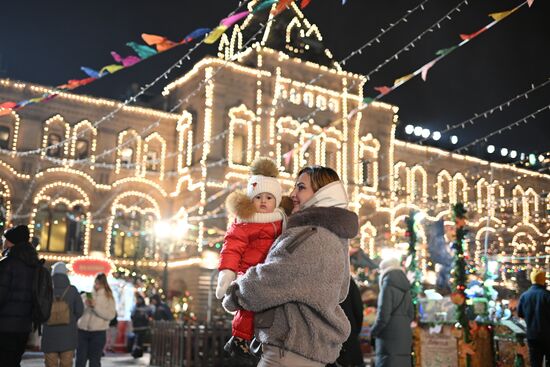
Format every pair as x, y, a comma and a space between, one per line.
423, 70
6, 107
151, 126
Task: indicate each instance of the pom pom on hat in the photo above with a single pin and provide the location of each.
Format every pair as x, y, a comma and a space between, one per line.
264, 172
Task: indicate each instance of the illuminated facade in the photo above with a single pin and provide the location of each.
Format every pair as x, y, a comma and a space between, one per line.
105, 183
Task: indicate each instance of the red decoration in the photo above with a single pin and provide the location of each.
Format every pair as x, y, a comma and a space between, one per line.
458, 298
90, 267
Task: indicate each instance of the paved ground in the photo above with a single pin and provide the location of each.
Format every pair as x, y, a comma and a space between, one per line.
35, 359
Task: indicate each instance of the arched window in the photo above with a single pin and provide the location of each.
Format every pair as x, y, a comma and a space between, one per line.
461, 188
128, 151
400, 178
56, 130
9, 130
185, 140
84, 141
240, 147
131, 235
418, 183
154, 153
444, 187
60, 227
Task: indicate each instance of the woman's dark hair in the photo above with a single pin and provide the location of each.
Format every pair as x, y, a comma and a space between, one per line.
320, 176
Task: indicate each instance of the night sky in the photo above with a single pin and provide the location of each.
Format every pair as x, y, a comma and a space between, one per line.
46, 42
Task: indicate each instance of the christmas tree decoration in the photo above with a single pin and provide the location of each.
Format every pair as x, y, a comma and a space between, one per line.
413, 225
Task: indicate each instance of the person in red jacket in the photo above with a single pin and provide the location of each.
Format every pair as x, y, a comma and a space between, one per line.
258, 222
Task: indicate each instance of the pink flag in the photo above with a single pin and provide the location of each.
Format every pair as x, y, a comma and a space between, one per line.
425, 69
305, 146
8, 105
229, 21
125, 61
383, 89
530, 2
287, 157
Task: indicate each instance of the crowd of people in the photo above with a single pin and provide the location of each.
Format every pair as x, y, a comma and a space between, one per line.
79, 322
284, 273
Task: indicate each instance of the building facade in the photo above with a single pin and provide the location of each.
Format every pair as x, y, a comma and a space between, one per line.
92, 176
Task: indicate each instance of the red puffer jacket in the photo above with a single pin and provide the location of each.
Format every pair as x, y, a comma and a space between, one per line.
247, 244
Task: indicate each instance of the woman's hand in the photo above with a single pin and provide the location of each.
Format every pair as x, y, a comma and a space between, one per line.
90, 303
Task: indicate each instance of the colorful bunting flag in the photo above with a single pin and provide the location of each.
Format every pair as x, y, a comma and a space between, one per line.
503, 14
446, 51
403, 79
530, 2
90, 72
111, 69
305, 3
161, 43
8, 105
465, 37
74, 83
196, 34
142, 50
426, 68
368, 100
229, 21
215, 34
383, 89
125, 61
282, 5
287, 157
264, 5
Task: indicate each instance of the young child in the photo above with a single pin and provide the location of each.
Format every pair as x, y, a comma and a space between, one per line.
259, 221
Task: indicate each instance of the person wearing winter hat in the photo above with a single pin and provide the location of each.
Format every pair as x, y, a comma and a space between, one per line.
392, 328
534, 307
17, 271
60, 341
296, 293
259, 221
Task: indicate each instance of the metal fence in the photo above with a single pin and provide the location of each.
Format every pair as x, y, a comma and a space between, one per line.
176, 344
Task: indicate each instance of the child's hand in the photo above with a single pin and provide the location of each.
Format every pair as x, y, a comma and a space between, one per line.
224, 280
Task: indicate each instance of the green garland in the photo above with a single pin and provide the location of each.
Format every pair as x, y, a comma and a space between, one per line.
459, 217
412, 233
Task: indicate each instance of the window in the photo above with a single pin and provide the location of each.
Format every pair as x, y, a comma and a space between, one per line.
4, 137
152, 162
60, 229
239, 149
367, 174
126, 156
81, 149
131, 235
55, 151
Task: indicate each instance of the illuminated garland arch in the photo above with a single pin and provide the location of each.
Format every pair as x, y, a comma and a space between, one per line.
91, 130
185, 153
152, 208
457, 180
14, 135
64, 125
146, 148
368, 237
243, 118
136, 158
444, 178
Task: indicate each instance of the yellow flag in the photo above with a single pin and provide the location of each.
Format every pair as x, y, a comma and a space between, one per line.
403, 79
113, 68
215, 34
501, 15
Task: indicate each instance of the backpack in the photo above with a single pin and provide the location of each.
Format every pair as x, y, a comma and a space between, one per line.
61, 313
42, 295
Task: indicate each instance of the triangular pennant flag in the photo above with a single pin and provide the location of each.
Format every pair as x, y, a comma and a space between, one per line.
281, 6
530, 2
111, 69
215, 34
445, 51
264, 5
304, 3
161, 43
383, 89
90, 72
8, 105
74, 83
287, 157
142, 50
229, 21
402, 80
465, 37
426, 68
125, 61
368, 100
196, 34
503, 14
305, 147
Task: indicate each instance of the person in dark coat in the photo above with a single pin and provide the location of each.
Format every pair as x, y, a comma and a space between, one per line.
60, 341
351, 354
392, 328
162, 311
17, 270
140, 321
534, 307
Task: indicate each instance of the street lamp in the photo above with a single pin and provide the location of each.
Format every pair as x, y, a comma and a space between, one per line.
171, 232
